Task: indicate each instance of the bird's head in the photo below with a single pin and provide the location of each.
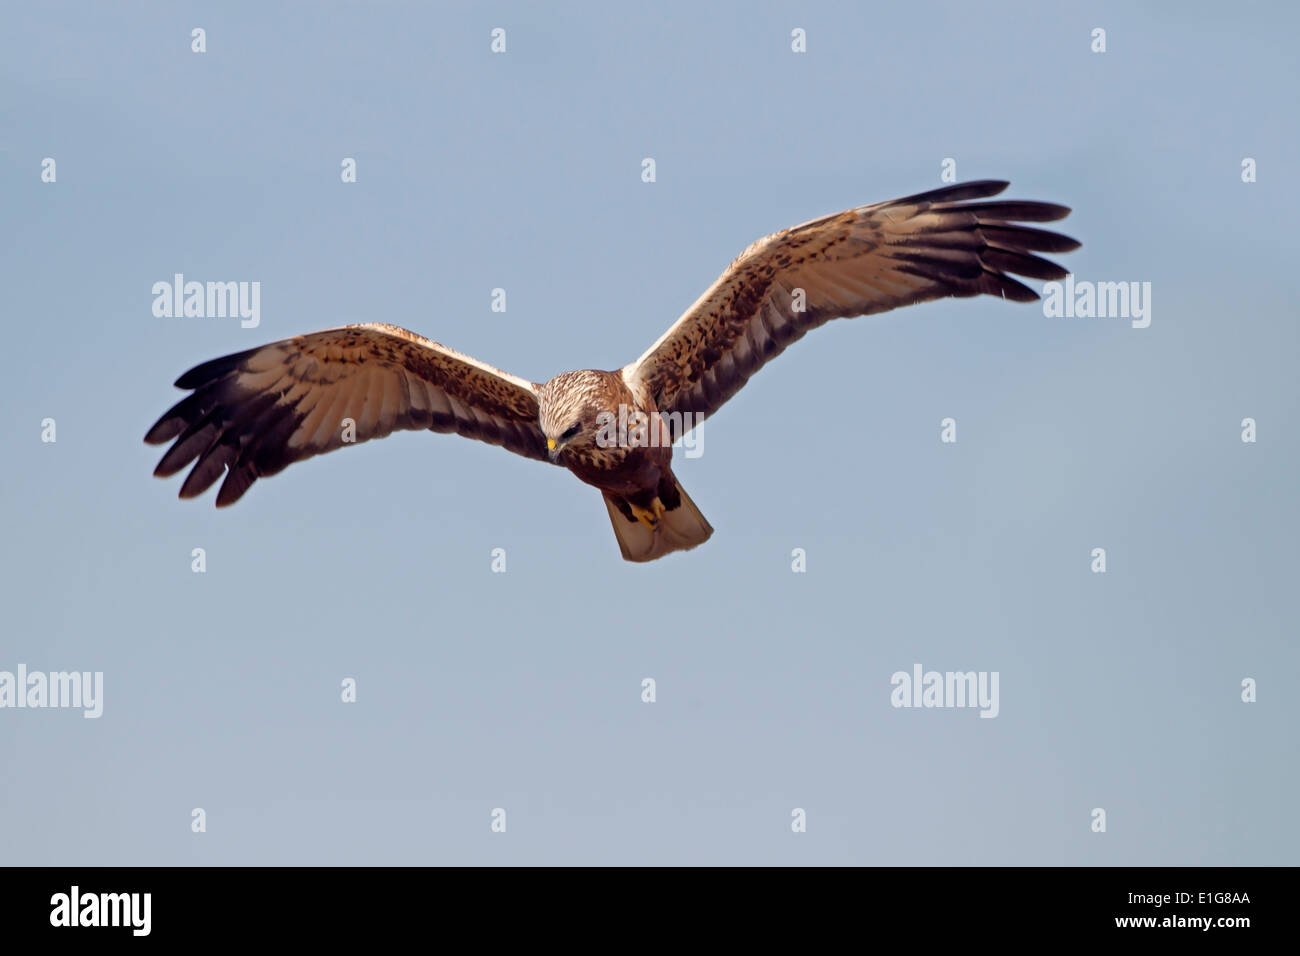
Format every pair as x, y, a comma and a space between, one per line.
569, 408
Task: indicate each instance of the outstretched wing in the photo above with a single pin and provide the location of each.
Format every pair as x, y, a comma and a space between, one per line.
253, 413
858, 262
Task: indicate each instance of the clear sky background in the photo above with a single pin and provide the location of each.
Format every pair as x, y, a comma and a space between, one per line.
522, 690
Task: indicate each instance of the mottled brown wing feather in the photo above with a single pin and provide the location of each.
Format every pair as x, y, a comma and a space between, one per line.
253, 413
858, 262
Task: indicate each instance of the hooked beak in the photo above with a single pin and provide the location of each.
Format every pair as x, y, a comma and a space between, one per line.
552, 450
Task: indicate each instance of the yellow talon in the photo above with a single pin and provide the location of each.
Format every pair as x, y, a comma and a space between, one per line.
648, 518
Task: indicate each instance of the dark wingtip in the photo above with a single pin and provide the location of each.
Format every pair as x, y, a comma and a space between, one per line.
213, 369
1066, 244
1027, 238
985, 187
1009, 288
1017, 210
163, 430
958, 192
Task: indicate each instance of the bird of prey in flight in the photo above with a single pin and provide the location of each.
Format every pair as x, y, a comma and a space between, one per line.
251, 414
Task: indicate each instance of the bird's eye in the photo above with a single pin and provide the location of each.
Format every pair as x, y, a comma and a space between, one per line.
570, 431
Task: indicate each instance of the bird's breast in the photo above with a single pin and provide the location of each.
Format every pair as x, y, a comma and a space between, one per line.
620, 470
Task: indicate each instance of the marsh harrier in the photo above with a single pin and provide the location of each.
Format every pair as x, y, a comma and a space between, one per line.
250, 414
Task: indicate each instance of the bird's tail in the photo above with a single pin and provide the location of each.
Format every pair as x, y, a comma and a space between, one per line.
671, 523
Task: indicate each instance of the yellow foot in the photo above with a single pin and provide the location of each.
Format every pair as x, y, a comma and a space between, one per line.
649, 517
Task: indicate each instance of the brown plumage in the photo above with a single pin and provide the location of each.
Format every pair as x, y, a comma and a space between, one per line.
251, 414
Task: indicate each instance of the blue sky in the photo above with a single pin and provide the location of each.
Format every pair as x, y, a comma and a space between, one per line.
522, 690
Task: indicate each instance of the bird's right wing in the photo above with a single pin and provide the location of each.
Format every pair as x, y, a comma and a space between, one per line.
253, 413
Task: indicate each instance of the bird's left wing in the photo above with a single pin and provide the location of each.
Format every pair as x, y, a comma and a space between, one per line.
254, 413
858, 262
